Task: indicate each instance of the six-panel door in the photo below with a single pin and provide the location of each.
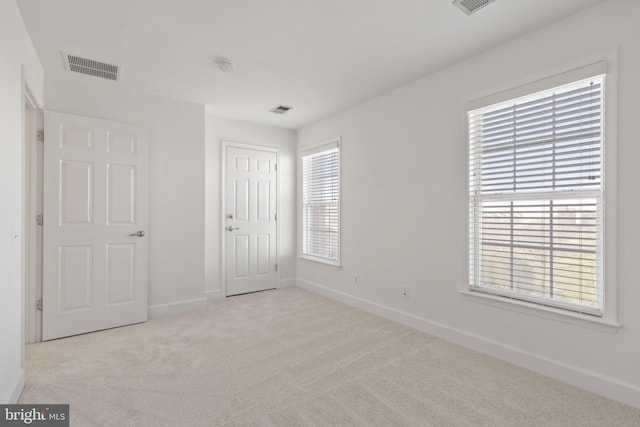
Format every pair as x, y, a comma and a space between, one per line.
95, 201
250, 220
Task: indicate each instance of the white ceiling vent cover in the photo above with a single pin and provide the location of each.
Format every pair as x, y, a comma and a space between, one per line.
91, 67
280, 109
471, 6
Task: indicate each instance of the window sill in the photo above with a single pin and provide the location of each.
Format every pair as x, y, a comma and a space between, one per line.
551, 313
320, 261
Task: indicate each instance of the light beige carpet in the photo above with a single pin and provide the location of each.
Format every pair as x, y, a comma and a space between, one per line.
292, 358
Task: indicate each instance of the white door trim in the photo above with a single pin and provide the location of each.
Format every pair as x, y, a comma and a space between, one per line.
223, 206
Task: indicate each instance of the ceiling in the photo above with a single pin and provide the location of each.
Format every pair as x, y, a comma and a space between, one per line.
319, 56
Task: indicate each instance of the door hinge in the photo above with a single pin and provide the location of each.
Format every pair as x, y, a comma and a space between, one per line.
40, 220
39, 305
275, 216
40, 135
276, 267
276, 166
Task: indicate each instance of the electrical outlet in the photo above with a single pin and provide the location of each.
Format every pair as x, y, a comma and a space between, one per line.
405, 292
356, 279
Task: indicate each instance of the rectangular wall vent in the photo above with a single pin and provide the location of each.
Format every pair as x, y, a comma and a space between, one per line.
91, 67
471, 6
280, 109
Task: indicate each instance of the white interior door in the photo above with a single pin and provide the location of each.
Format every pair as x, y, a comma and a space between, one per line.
251, 200
95, 217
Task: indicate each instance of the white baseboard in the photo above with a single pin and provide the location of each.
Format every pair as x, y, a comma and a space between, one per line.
178, 307
17, 389
287, 283
213, 294
605, 386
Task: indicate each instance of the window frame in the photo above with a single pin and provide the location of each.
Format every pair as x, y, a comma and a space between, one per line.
330, 144
606, 64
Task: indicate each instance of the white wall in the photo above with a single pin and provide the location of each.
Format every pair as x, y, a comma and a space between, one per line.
16, 51
218, 130
404, 164
176, 180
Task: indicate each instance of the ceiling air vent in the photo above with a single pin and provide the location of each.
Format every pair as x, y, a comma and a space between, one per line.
471, 6
280, 109
91, 67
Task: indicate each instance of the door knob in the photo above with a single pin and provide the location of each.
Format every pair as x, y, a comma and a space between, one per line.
138, 234
230, 228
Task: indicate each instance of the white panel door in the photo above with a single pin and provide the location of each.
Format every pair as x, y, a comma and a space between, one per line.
251, 198
95, 220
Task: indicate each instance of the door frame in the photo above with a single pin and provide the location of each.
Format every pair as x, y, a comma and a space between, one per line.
31, 269
224, 144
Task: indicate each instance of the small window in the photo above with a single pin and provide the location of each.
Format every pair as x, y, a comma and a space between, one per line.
536, 197
321, 203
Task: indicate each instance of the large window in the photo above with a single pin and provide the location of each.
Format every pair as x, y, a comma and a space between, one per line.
536, 197
321, 203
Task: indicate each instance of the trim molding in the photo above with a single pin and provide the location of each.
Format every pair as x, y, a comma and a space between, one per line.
611, 388
213, 294
287, 283
178, 307
17, 389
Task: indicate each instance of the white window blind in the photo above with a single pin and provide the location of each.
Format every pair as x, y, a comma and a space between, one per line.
321, 203
536, 195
